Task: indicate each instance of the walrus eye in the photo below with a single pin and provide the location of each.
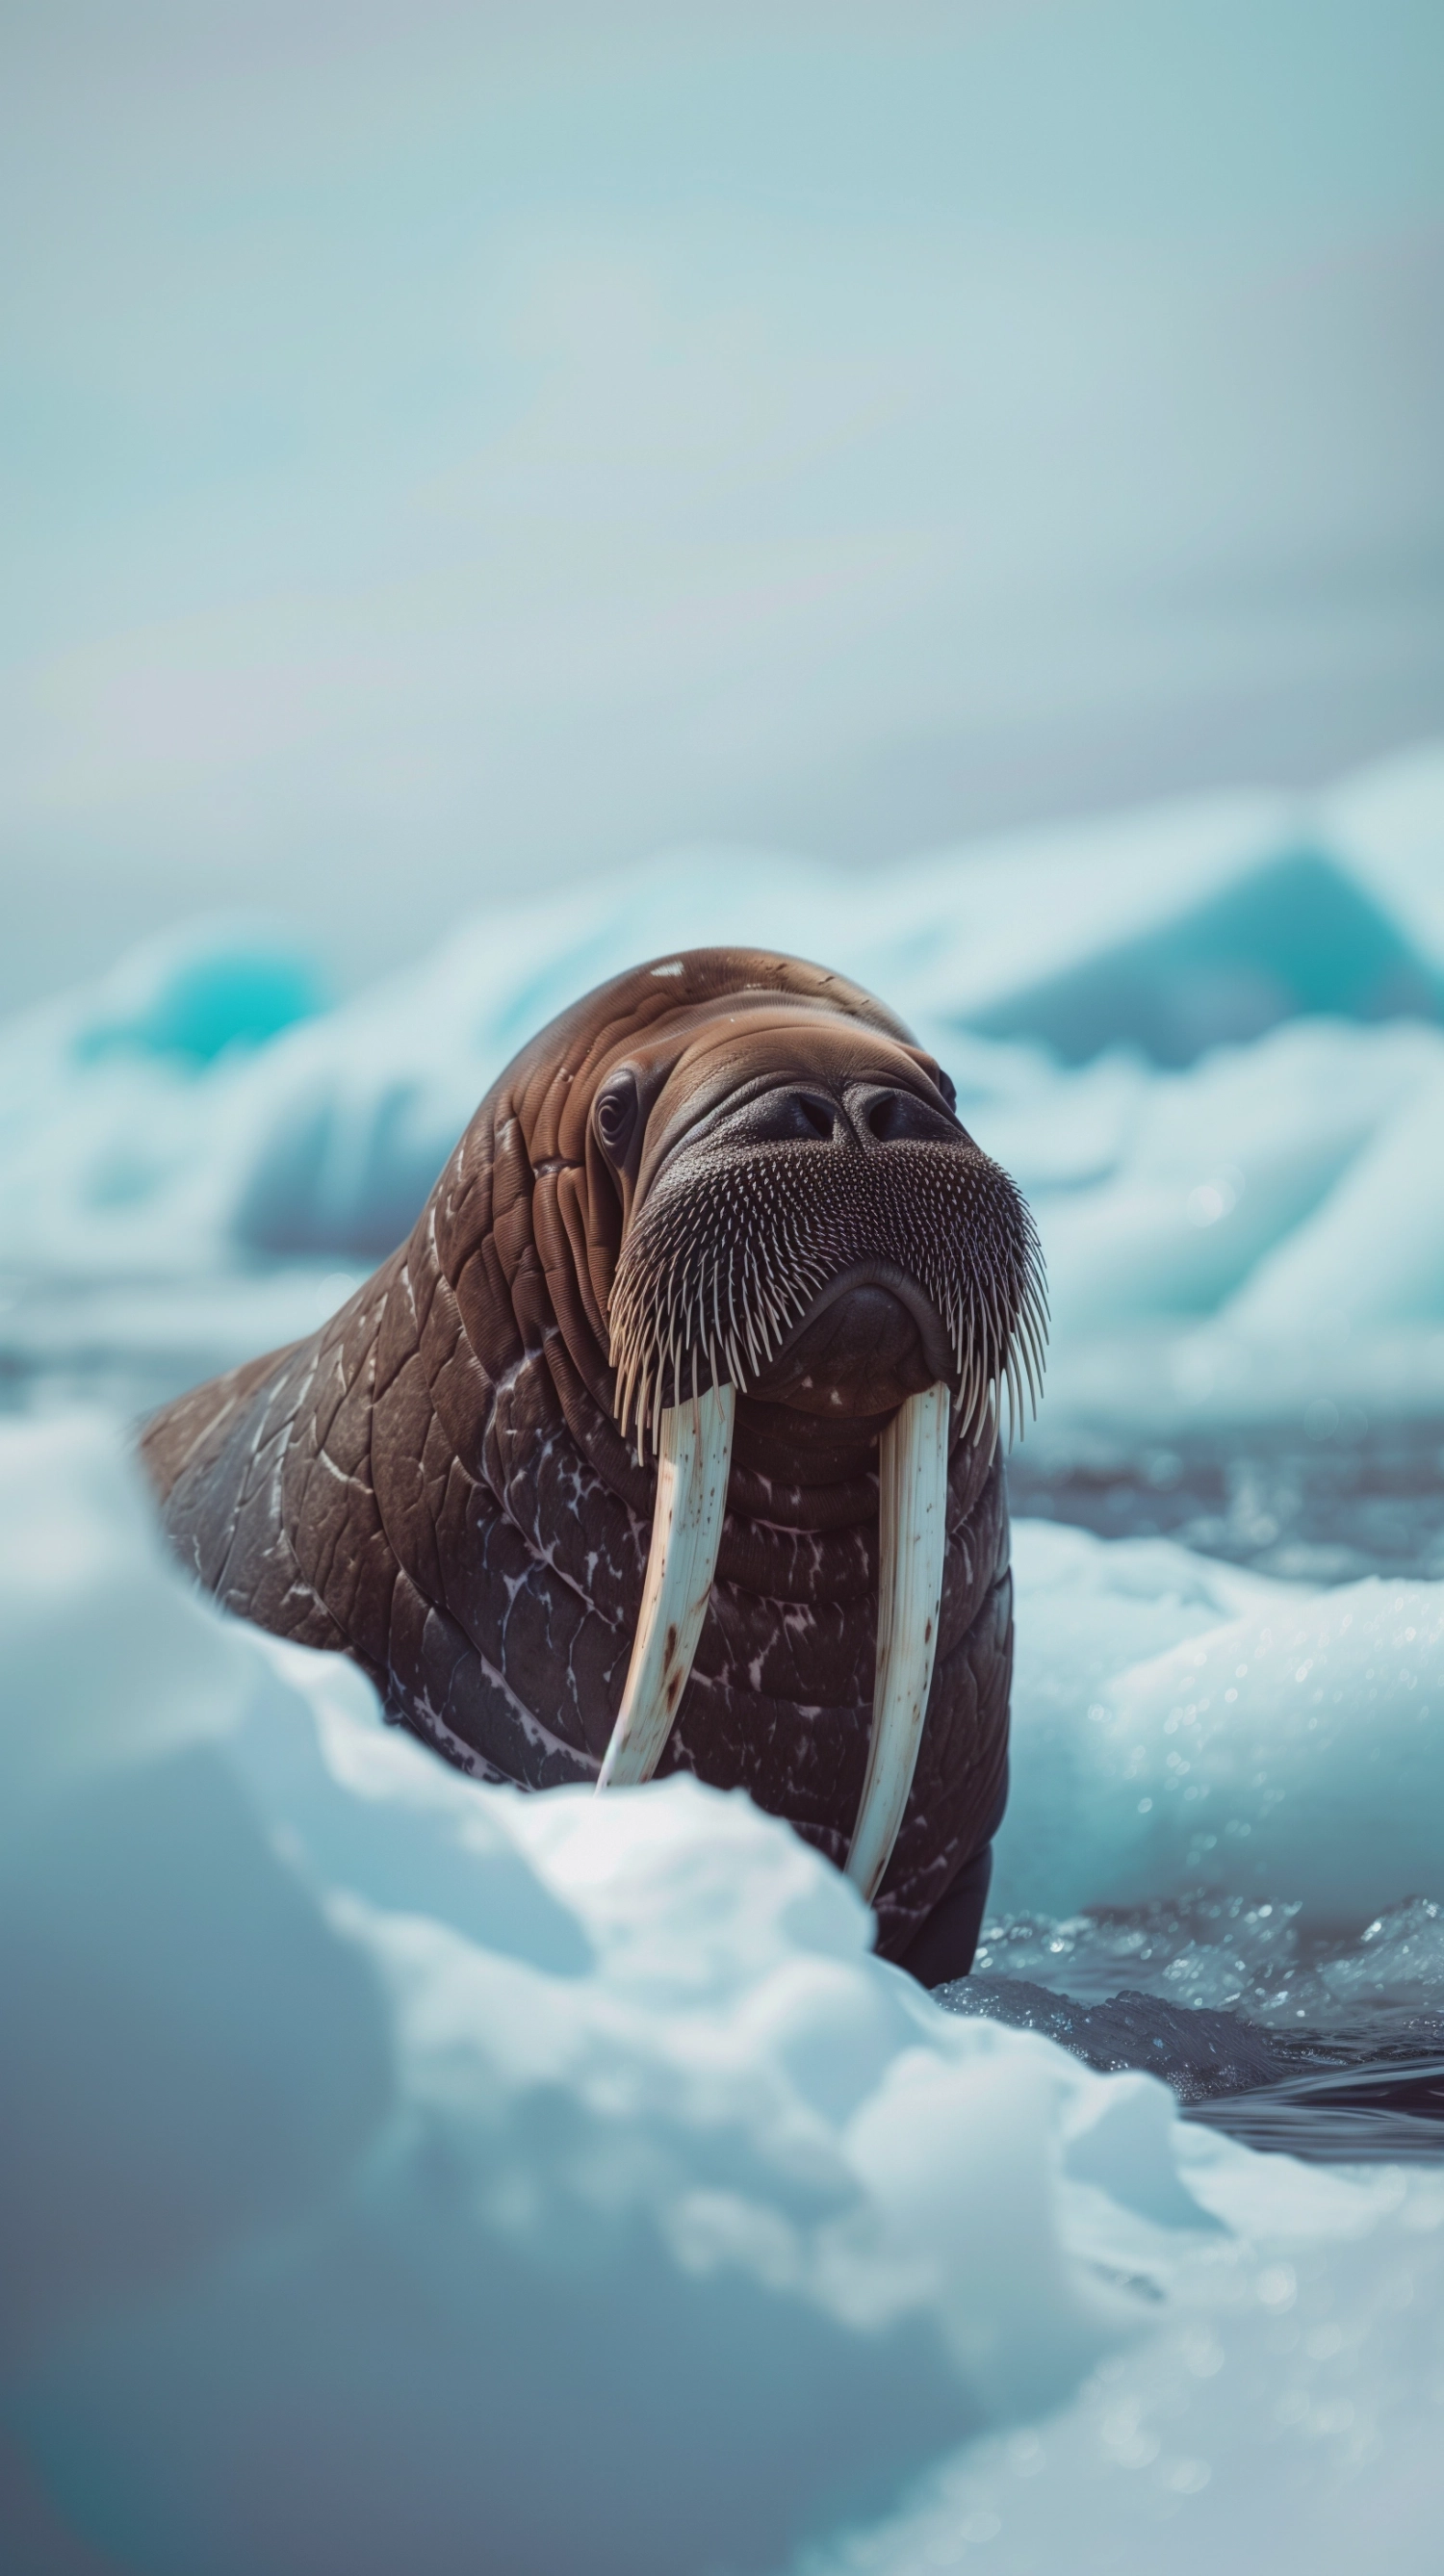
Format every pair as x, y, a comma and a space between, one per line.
616, 1114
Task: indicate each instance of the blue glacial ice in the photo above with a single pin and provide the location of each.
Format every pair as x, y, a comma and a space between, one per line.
1209, 1041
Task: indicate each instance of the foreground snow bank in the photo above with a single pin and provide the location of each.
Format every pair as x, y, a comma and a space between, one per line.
396, 2174
1207, 1041
399, 2174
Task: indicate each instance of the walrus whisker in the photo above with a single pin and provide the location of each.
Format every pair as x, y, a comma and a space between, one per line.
731, 1303
781, 1225
1015, 1397
912, 1529
694, 1457
987, 1415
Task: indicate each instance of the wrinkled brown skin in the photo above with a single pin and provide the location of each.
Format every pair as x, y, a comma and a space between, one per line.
434, 1484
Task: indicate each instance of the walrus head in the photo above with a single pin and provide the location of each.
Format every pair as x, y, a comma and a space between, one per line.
801, 1218
806, 1218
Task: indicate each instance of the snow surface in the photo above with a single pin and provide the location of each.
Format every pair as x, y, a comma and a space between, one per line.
429, 2178
397, 2172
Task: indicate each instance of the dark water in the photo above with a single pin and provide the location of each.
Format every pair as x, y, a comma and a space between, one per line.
1328, 1500
1345, 2094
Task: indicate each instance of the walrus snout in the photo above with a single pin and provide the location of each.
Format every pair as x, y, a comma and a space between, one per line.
869, 1340
750, 1233
829, 1194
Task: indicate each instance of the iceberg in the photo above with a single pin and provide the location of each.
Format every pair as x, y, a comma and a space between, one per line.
1207, 1040
1291, 935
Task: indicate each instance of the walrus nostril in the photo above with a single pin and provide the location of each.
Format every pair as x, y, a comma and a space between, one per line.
783, 1117
893, 1115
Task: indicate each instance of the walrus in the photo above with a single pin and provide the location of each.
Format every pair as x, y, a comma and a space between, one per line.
669, 1439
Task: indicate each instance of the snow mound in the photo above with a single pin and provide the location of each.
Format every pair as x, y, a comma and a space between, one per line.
1180, 1725
1253, 1162
1289, 935
397, 2173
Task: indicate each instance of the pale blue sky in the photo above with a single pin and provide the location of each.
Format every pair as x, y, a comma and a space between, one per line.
435, 457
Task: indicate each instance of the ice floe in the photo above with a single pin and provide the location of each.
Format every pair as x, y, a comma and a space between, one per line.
401, 2173
1219, 1731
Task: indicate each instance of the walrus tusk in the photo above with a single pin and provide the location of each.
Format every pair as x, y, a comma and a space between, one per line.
694, 1453
913, 1472
694, 1456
